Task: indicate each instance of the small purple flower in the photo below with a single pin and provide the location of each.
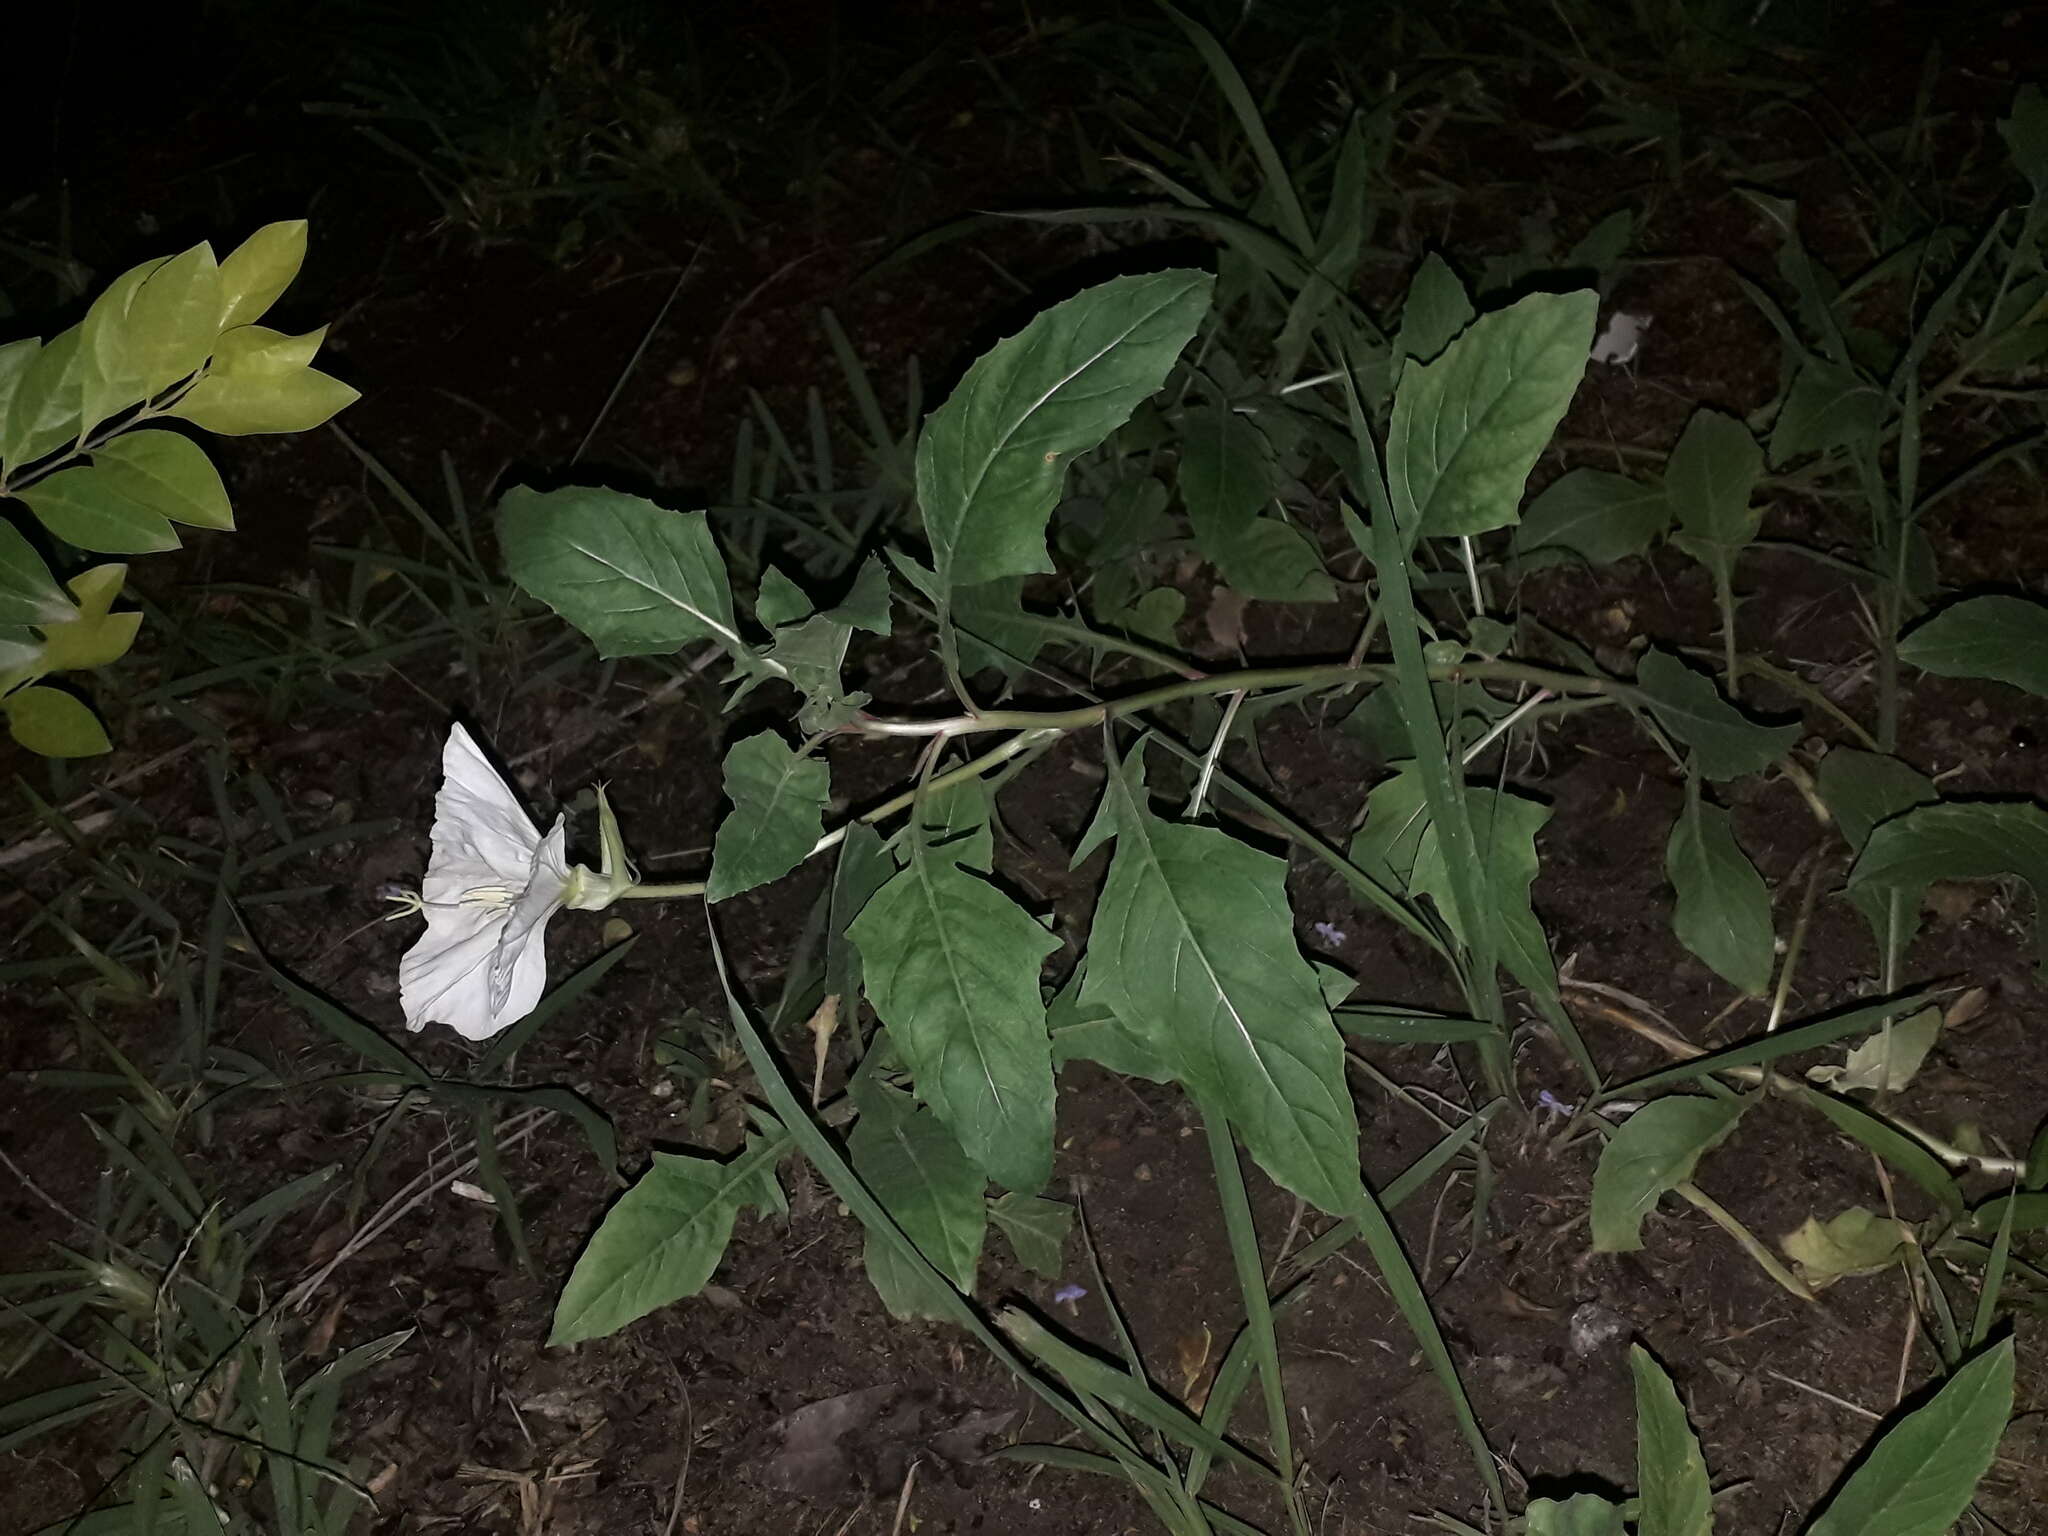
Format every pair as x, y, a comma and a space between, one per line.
1329, 933
1067, 1295
1545, 1099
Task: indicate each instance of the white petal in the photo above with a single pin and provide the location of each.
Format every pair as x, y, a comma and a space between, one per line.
482, 835
519, 969
445, 978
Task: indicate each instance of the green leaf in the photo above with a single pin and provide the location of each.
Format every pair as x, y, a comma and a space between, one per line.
1505, 826
992, 460
29, 594
1467, 428
1856, 1242
169, 474
1864, 788
261, 381
1829, 406
638, 579
2002, 638
778, 812
1653, 1151
1918, 1479
1598, 516
1037, 1229
780, 600
160, 334
257, 271
1090, 1032
45, 412
92, 636
1709, 478
864, 865
54, 723
2025, 131
952, 968
1583, 1514
1726, 743
1723, 911
15, 357
1227, 473
1193, 950
1435, 311
866, 604
913, 1165
1133, 520
1677, 1499
956, 823
93, 509
663, 1238
1977, 840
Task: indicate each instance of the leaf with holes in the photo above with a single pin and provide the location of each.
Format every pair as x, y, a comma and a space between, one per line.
992, 460
1193, 951
1651, 1153
638, 579
778, 809
1467, 428
952, 968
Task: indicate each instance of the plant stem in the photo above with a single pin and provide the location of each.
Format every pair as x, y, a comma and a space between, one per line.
1258, 1309
662, 892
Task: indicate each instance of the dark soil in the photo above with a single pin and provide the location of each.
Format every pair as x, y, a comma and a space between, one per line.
503, 360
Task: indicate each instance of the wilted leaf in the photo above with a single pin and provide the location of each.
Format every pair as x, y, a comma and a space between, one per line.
1888, 1061
1857, 1242
1652, 1152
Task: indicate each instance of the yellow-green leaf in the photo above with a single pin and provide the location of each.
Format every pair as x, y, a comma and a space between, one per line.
258, 270
260, 381
92, 636
1857, 1242
54, 723
43, 414
174, 318
87, 507
170, 474
108, 380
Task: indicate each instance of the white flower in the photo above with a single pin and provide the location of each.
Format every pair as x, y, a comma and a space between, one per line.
492, 884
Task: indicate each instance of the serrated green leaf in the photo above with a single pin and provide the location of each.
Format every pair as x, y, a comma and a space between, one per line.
1193, 950
257, 271
93, 509
866, 604
169, 474
1976, 840
1709, 479
1829, 406
2002, 638
638, 579
1652, 1152
1037, 1229
663, 1238
1677, 1499
1856, 1242
991, 461
780, 600
1467, 428
952, 967
1723, 910
261, 380
1434, 312
1598, 516
778, 810
29, 594
1919, 1478
54, 723
912, 1164
1726, 743
1583, 1514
